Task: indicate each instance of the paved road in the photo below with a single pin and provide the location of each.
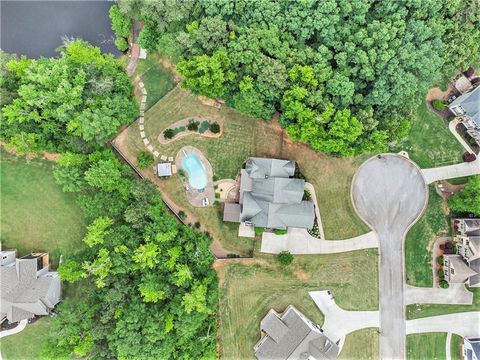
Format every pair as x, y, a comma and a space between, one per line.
455, 294
452, 171
464, 324
339, 323
389, 193
299, 241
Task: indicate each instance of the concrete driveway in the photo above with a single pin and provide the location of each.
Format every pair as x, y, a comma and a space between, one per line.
452, 171
299, 241
455, 294
389, 193
339, 323
465, 324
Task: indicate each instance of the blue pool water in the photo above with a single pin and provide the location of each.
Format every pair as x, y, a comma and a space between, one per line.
197, 176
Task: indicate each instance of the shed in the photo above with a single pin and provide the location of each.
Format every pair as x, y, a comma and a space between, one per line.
164, 169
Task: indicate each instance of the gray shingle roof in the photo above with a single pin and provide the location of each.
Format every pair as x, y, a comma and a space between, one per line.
259, 168
26, 290
470, 102
292, 336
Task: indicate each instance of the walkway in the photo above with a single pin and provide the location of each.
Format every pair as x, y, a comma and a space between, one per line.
339, 323
21, 325
452, 171
448, 344
452, 126
299, 241
464, 324
455, 294
389, 194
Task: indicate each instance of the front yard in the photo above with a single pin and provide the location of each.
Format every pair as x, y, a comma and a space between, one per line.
247, 292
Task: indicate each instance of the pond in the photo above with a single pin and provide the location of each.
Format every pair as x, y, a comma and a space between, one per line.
36, 28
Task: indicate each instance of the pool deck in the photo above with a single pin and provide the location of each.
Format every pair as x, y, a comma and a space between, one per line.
193, 196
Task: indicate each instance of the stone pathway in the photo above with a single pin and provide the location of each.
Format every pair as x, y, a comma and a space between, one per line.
299, 241
141, 121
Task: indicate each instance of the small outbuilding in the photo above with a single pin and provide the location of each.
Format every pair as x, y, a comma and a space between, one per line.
164, 169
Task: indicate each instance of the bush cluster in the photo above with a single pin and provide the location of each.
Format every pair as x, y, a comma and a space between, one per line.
438, 105
285, 258
145, 159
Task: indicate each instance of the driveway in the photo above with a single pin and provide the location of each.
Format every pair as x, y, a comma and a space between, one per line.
455, 294
299, 241
339, 323
452, 171
389, 193
464, 324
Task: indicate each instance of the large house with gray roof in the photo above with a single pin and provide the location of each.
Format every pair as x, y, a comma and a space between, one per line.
270, 197
467, 108
471, 349
291, 335
28, 286
464, 266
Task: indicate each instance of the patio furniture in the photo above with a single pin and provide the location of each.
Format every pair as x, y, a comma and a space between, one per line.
170, 159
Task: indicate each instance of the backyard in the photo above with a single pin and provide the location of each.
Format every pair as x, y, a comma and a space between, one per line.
36, 215
252, 290
243, 137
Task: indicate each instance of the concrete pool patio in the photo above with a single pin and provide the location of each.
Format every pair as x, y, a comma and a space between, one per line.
195, 197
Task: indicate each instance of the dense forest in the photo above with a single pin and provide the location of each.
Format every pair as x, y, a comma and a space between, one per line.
148, 288
345, 75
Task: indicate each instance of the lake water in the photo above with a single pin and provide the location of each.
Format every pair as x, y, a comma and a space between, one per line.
36, 28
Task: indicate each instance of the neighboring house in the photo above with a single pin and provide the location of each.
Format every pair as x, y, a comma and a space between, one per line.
467, 108
464, 267
270, 198
28, 287
291, 335
471, 349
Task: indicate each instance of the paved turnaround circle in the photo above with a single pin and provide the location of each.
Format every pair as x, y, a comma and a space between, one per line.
389, 193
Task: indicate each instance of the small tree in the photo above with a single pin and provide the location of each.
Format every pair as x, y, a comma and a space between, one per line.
168, 134
440, 260
215, 128
444, 284
441, 274
121, 44
193, 125
182, 215
285, 258
438, 105
145, 159
467, 199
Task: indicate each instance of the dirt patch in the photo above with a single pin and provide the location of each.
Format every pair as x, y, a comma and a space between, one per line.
220, 266
302, 275
168, 64
437, 93
45, 155
446, 190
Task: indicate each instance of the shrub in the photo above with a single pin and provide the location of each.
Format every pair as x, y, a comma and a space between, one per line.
280, 231
121, 44
215, 177
182, 215
215, 128
259, 230
217, 195
181, 173
145, 159
444, 284
307, 196
285, 258
193, 125
438, 105
440, 260
232, 256
178, 130
204, 126
168, 134
440, 273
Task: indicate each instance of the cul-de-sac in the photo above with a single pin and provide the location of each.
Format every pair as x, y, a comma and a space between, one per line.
240, 179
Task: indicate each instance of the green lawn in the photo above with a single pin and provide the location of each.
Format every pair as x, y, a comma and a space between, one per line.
361, 345
429, 142
157, 79
36, 215
26, 344
420, 239
243, 137
456, 347
248, 292
429, 346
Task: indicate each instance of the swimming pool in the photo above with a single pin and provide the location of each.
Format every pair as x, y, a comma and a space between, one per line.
197, 176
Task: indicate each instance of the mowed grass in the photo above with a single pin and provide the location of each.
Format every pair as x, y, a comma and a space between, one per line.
157, 79
361, 345
456, 347
35, 214
429, 346
430, 143
420, 239
248, 292
28, 343
243, 137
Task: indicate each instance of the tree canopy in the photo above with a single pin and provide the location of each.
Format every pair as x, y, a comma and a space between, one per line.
75, 102
467, 200
371, 58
